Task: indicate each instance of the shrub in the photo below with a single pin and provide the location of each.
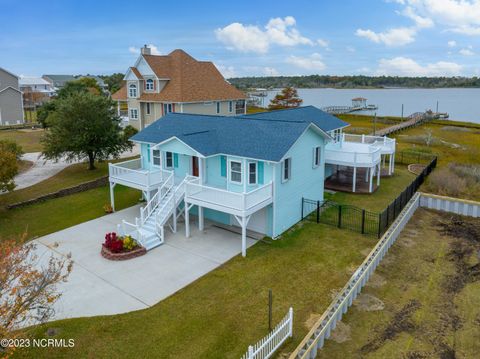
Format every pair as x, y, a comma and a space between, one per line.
447, 183
129, 243
113, 243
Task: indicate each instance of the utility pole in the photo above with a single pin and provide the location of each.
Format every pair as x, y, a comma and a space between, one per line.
374, 123
402, 111
437, 107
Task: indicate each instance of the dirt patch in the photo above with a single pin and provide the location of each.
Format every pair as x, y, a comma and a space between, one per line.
311, 320
341, 333
366, 251
368, 303
401, 322
455, 129
416, 168
376, 281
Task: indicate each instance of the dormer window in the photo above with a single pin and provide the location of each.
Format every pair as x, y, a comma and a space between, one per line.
149, 85
132, 90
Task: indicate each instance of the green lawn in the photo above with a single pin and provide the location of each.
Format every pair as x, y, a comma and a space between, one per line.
390, 188
28, 139
223, 312
425, 268
56, 214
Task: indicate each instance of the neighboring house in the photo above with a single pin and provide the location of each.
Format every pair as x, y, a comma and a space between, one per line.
58, 81
11, 102
250, 171
158, 85
100, 82
36, 91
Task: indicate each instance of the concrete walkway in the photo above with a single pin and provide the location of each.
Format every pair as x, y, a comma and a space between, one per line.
43, 169
98, 286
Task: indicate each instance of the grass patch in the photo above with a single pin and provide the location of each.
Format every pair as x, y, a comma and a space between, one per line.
424, 317
60, 213
361, 124
390, 188
223, 312
28, 139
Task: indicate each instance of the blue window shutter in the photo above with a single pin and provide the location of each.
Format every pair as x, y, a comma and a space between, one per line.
223, 166
148, 152
175, 160
260, 172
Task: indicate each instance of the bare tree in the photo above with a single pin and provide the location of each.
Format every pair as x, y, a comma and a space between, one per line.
27, 287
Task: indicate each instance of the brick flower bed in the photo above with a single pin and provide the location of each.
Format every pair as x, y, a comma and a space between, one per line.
121, 256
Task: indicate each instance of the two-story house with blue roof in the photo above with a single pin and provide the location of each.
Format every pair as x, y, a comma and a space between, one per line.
249, 171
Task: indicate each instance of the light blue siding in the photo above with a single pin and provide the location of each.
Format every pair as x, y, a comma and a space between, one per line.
306, 181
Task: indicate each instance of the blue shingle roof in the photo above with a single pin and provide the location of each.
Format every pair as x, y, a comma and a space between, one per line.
266, 137
310, 114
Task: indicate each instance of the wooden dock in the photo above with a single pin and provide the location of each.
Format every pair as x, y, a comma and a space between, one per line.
337, 110
413, 120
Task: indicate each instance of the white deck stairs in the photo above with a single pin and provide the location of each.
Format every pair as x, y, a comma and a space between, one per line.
149, 229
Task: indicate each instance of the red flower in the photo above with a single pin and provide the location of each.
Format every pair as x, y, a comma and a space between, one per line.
113, 243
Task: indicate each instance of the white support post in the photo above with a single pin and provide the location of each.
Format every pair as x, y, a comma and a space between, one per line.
366, 174
393, 163
200, 219
187, 221
174, 218
112, 195
244, 165
379, 174
371, 180
244, 237
354, 182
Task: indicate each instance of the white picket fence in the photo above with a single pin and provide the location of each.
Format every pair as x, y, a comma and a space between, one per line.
265, 348
322, 329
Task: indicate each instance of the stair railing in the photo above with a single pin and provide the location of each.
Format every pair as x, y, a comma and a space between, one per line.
146, 212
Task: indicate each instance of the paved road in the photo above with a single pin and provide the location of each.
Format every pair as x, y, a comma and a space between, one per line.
98, 286
42, 169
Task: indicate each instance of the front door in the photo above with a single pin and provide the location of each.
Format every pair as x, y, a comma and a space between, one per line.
195, 166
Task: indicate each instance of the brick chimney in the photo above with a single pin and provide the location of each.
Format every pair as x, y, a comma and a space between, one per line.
146, 50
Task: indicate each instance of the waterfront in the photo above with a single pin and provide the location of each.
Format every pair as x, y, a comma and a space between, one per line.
463, 104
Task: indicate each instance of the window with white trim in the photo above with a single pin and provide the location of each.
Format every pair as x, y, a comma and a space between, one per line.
230, 106
252, 173
286, 169
149, 85
218, 107
133, 114
236, 171
317, 152
147, 108
168, 159
156, 157
132, 90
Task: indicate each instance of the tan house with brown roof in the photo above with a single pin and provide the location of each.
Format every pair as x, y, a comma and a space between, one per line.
157, 85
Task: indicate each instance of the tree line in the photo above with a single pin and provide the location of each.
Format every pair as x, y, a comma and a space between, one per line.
318, 81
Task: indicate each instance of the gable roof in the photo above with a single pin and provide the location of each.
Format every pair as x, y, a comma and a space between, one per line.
8, 72
322, 119
59, 80
189, 80
244, 136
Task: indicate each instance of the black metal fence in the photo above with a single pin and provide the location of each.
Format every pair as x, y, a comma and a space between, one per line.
363, 221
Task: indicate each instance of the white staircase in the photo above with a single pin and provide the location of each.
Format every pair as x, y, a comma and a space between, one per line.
149, 229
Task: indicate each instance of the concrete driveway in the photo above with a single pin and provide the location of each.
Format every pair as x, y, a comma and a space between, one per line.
98, 286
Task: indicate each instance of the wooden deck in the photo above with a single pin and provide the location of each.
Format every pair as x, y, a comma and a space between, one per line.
413, 120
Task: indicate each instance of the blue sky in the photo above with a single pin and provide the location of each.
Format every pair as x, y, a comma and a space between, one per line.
397, 37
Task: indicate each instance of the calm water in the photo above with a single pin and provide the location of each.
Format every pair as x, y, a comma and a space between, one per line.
461, 104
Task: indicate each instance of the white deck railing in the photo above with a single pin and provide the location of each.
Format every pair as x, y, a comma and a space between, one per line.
229, 200
387, 144
367, 157
146, 212
265, 348
132, 173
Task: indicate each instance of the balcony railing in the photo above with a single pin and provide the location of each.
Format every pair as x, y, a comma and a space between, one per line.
387, 144
352, 155
231, 202
131, 173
